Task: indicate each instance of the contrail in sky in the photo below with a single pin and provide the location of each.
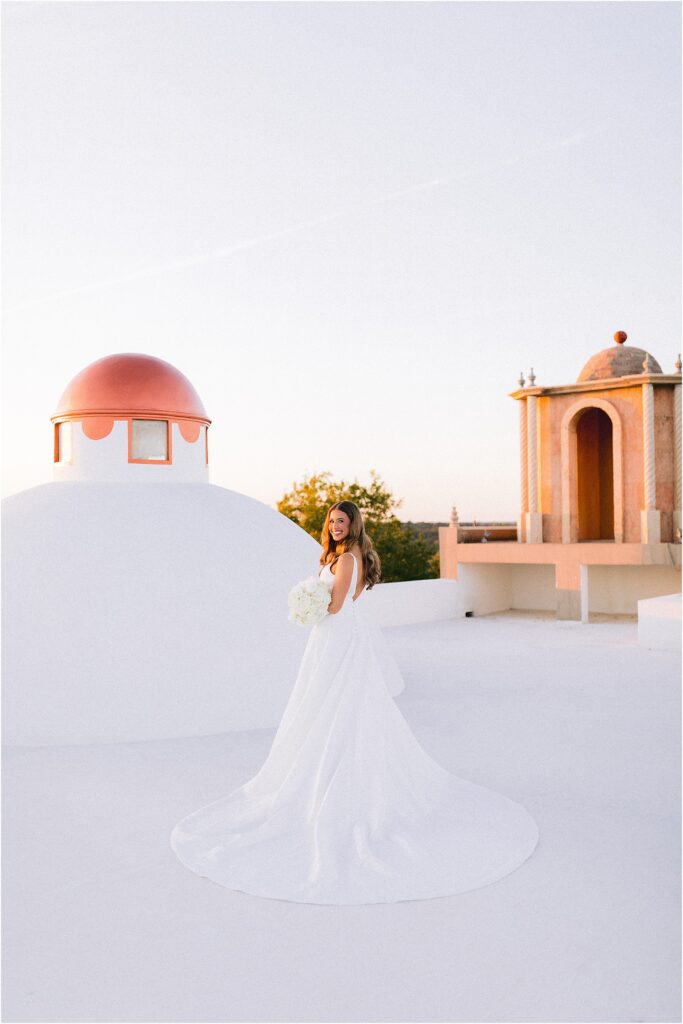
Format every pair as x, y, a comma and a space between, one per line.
188, 261
273, 236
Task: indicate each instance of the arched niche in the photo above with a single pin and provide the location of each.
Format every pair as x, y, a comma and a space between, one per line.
589, 443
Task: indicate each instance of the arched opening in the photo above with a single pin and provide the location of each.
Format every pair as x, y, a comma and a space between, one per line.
594, 476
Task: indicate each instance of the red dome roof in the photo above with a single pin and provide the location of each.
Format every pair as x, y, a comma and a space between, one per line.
130, 384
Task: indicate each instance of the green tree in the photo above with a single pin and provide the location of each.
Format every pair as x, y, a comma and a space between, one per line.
404, 552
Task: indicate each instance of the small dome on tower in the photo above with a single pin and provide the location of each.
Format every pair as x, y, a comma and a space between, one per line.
618, 361
128, 416
131, 384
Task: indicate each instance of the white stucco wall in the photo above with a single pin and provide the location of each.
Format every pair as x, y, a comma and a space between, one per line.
106, 460
659, 622
402, 604
619, 588
480, 589
484, 589
133, 611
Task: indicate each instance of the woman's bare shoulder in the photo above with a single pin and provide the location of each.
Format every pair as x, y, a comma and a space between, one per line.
340, 560
347, 558
357, 556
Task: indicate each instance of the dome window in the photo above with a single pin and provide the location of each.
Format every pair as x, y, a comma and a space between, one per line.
149, 441
63, 442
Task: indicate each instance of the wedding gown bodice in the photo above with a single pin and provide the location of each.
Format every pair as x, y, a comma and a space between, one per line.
328, 577
348, 808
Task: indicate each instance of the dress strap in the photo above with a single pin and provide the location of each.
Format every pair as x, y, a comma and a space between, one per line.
354, 578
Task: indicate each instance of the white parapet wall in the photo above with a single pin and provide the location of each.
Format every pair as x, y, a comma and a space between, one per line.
484, 589
479, 590
659, 622
402, 604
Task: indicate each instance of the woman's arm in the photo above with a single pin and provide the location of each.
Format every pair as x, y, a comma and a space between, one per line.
342, 582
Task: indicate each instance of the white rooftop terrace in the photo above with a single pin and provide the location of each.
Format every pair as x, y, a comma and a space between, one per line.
576, 721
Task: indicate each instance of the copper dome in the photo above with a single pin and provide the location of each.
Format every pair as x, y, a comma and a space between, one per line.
129, 384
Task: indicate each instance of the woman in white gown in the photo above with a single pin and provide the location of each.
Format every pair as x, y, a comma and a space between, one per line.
347, 807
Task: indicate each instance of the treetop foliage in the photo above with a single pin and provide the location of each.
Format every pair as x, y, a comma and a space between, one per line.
404, 552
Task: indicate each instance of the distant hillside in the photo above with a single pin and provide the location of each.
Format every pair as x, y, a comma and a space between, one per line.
430, 531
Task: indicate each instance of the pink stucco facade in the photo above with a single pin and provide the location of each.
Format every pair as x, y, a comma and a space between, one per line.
628, 404
600, 481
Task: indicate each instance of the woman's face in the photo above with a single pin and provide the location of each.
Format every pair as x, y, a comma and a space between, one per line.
339, 524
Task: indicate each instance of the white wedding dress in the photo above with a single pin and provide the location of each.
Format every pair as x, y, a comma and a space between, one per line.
347, 807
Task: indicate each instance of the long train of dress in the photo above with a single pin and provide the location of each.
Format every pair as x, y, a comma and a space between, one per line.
347, 807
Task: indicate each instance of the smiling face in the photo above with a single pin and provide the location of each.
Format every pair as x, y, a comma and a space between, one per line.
338, 525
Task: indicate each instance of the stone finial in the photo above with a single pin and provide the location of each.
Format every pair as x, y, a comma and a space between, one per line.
620, 337
648, 364
677, 364
521, 379
532, 376
454, 516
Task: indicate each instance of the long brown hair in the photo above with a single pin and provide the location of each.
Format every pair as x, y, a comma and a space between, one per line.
356, 535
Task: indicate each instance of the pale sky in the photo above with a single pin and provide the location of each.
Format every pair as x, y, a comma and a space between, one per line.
351, 225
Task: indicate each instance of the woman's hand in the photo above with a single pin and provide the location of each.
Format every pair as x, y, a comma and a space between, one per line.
342, 582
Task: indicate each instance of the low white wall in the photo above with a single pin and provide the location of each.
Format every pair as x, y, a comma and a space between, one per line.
659, 622
619, 589
402, 604
483, 589
479, 589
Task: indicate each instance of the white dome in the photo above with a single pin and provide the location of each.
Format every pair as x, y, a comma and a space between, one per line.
135, 612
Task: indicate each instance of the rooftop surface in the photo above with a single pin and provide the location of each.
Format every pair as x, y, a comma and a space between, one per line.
576, 722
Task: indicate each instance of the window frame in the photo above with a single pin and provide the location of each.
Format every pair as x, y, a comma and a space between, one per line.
150, 462
56, 458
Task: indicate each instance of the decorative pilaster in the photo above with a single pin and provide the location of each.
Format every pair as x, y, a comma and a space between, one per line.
650, 526
523, 470
677, 463
533, 523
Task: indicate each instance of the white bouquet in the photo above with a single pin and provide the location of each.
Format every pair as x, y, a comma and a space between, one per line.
308, 601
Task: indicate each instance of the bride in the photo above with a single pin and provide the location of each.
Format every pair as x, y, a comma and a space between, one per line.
347, 807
